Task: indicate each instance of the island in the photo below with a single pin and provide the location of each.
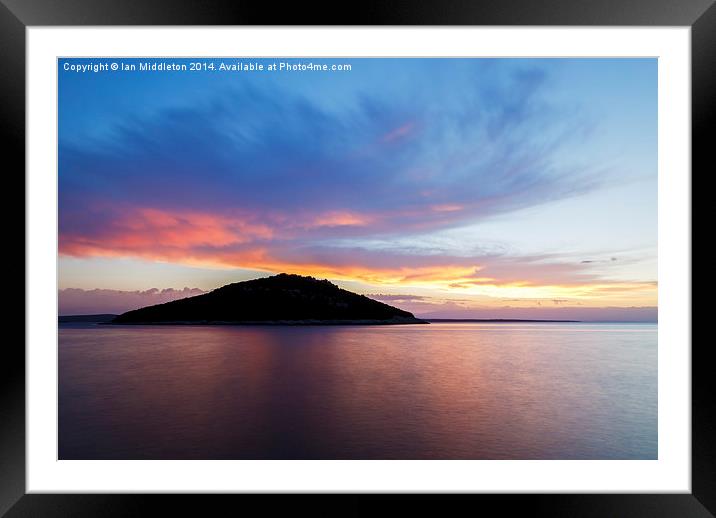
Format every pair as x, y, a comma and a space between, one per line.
282, 299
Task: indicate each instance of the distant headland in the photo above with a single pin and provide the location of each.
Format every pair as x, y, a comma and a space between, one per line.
280, 300
501, 320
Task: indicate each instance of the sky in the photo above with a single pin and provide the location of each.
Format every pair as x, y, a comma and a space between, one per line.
452, 188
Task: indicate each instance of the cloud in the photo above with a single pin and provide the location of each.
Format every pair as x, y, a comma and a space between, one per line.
592, 261
518, 308
427, 306
396, 298
399, 132
74, 301
584, 314
265, 178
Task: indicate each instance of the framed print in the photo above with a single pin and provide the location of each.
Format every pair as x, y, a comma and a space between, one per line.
440, 251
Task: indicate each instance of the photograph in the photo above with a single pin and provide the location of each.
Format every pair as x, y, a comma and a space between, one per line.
364, 258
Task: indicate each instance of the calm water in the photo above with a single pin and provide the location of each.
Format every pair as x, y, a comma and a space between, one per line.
452, 391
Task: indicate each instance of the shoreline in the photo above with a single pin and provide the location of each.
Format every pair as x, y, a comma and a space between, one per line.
106, 319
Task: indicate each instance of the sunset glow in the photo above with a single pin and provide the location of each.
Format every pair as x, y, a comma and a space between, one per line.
452, 188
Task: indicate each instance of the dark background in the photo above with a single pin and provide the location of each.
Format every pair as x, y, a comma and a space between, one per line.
15, 15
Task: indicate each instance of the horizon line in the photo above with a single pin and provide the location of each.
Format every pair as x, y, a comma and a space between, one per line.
447, 320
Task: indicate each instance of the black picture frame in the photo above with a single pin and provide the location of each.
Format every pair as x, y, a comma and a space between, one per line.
17, 15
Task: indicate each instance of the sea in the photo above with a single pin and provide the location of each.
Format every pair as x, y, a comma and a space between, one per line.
439, 391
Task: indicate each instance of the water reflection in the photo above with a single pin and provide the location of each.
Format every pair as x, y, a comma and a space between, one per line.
470, 391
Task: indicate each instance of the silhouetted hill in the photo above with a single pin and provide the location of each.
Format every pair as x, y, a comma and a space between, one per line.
281, 299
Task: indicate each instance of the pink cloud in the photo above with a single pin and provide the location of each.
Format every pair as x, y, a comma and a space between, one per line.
552, 309
167, 234
447, 207
399, 132
74, 301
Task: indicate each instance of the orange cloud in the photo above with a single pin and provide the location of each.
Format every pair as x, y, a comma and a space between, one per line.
166, 235
442, 278
241, 241
341, 219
